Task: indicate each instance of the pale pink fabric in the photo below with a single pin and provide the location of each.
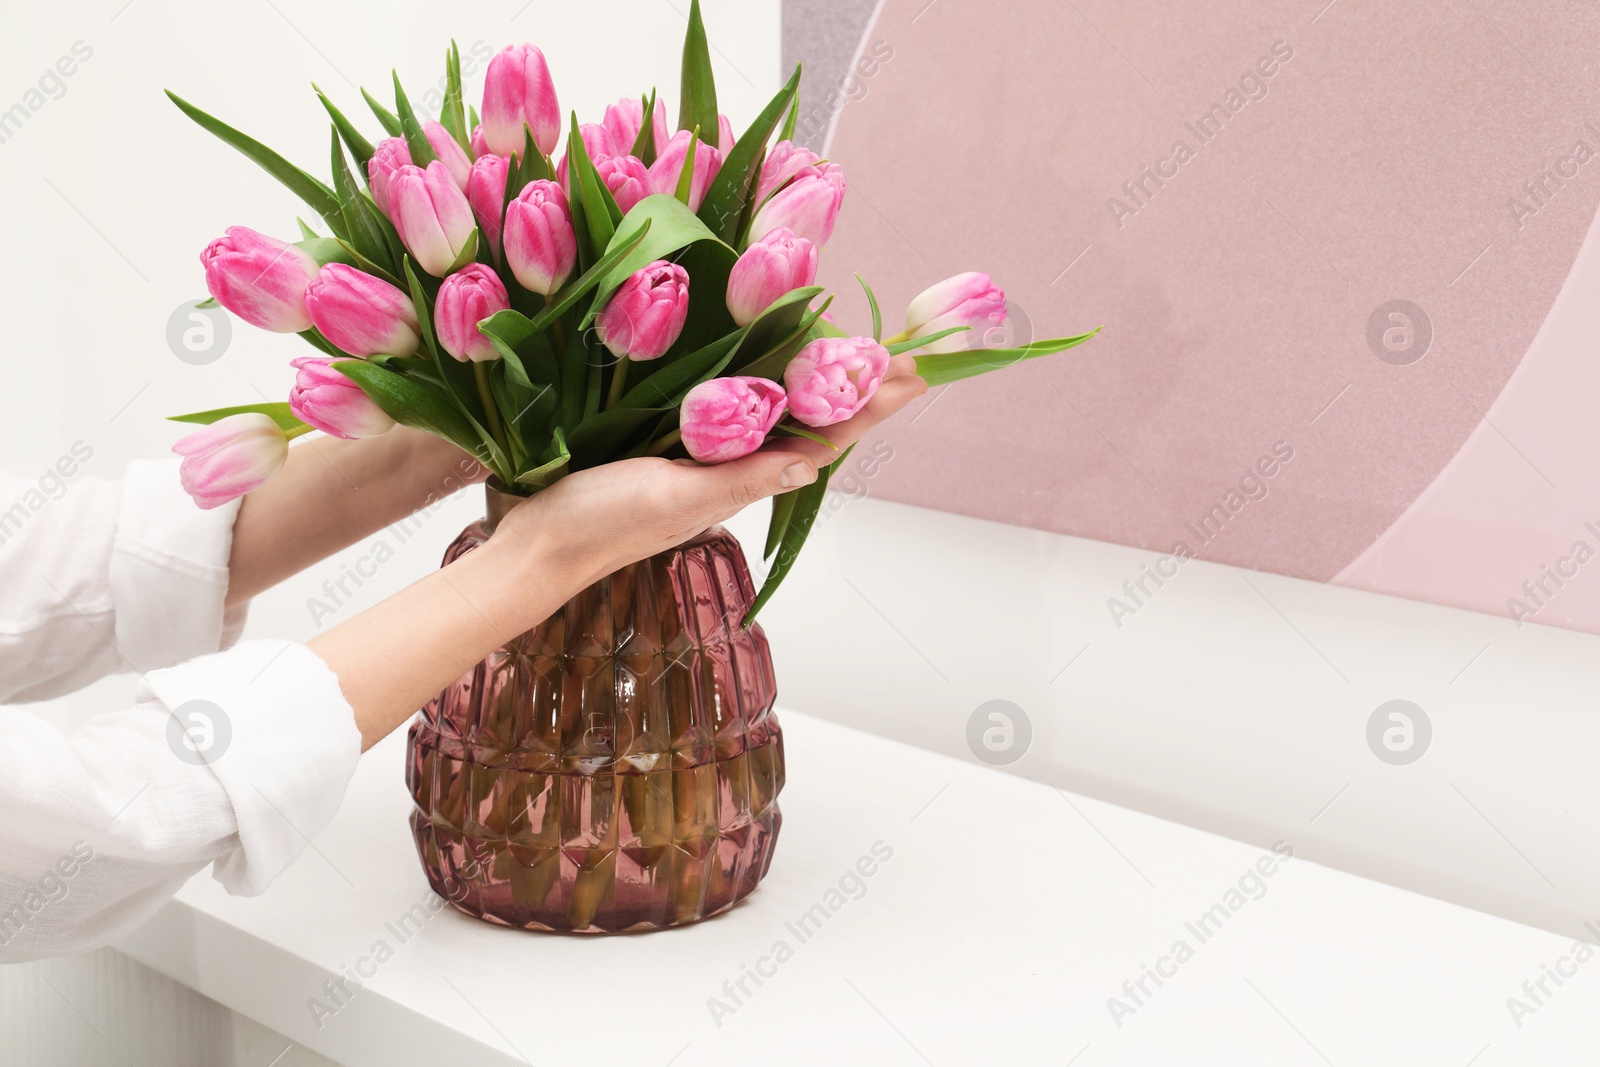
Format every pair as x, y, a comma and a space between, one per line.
1376, 163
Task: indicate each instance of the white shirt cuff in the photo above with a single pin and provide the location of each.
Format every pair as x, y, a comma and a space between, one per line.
270, 720
169, 570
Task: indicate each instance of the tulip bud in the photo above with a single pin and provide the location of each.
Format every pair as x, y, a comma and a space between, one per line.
785, 161
326, 399
389, 156
646, 314
449, 151
724, 135
466, 298
231, 457
724, 419
486, 192
625, 119
668, 167
777, 264
809, 205
433, 217
541, 247
966, 300
832, 378
260, 279
628, 179
518, 92
362, 315
480, 147
596, 145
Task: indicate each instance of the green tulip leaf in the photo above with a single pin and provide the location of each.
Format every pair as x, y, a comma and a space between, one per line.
453, 116
314, 338
685, 188
303, 185
359, 146
644, 145
279, 413
600, 212
412, 402
416, 141
699, 93
914, 343
728, 199
877, 314
802, 517
386, 118
782, 512
553, 465
598, 438
666, 387
942, 368
362, 232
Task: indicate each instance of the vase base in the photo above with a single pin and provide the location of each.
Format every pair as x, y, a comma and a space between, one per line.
657, 850
577, 889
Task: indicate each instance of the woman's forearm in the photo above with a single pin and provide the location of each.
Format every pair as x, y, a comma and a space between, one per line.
398, 655
331, 494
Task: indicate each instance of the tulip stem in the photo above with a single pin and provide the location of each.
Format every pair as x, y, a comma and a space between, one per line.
619, 381
665, 443
480, 372
896, 339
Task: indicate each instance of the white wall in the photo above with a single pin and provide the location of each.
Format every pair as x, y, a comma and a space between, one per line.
1232, 700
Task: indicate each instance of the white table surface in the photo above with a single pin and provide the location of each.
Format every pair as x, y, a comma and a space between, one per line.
1007, 916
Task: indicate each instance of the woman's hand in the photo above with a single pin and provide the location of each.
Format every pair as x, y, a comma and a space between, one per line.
331, 494
598, 520
396, 656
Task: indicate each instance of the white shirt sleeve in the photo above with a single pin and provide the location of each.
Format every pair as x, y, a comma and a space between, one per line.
235, 758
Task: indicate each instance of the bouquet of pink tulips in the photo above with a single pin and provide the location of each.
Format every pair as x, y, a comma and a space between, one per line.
650, 294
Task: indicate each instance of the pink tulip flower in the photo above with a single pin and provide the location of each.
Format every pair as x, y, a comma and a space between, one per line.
625, 119
668, 167
965, 300
333, 403
433, 217
628, 179
449, 151
727, 418
486, 193
518, 92
389, 156
645, 316
231, 457
596, 145
777, 264
724, 135
480, 147
541, 247
260, 279
363, 315
785, 161
466, 298
832, 378
809, 205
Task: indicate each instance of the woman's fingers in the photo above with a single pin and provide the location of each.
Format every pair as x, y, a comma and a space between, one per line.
729, 488
900, 365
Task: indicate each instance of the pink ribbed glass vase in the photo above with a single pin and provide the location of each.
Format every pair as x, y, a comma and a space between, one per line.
615, 768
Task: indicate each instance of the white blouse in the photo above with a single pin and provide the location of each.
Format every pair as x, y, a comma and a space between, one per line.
234, 758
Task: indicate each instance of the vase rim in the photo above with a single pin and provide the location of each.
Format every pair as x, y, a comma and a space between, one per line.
498, 502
